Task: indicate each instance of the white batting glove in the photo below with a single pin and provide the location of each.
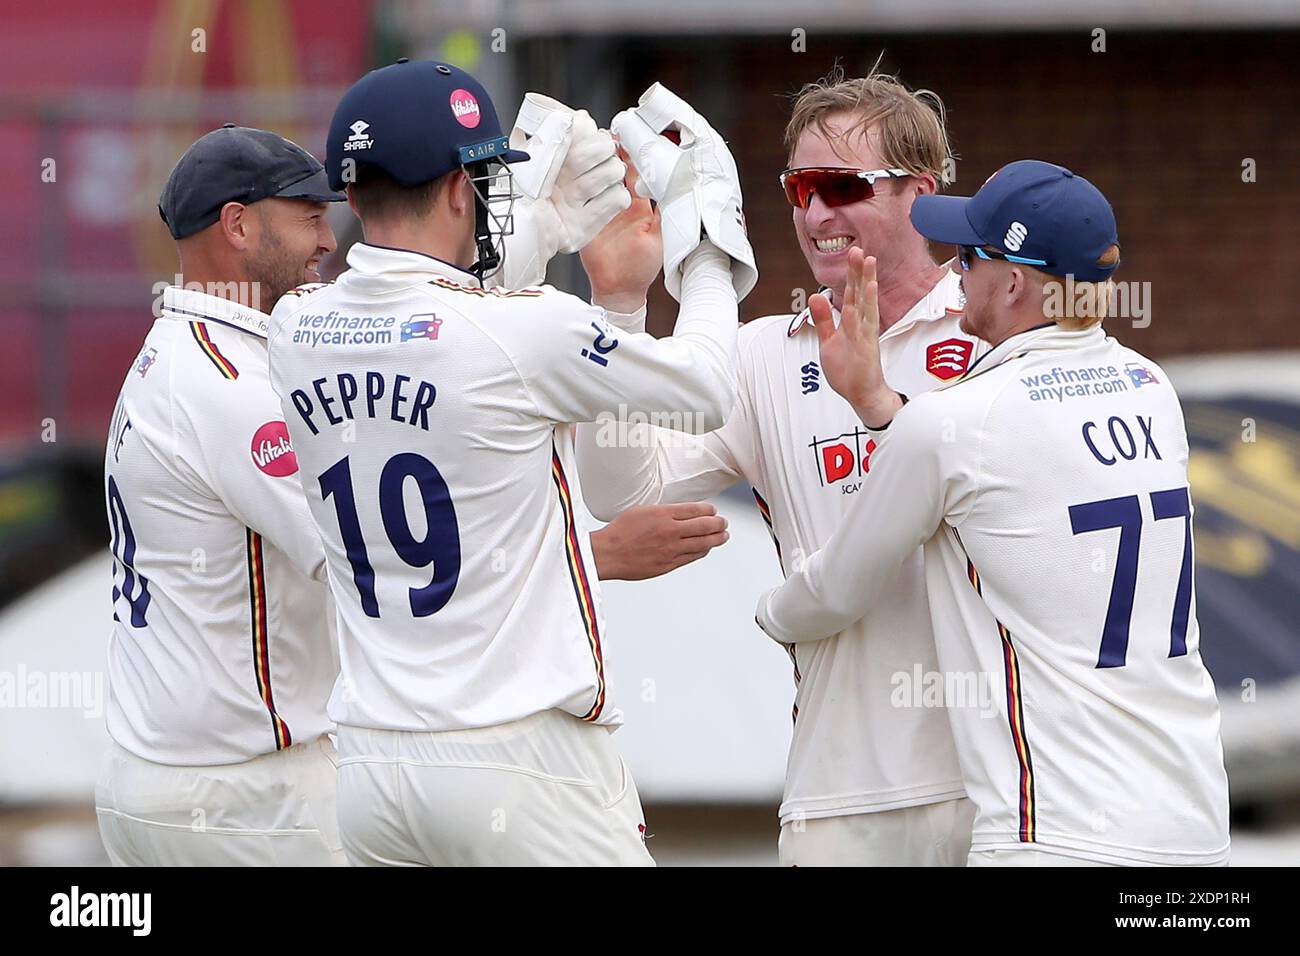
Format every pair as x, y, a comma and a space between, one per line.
570, 188
696, 184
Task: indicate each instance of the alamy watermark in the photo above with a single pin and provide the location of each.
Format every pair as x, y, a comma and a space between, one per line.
1109, 300
955, 690
53, 690
247, 294
636, 429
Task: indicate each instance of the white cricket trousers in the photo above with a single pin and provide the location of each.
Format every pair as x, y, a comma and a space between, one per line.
932, 834
548, 790
274, 810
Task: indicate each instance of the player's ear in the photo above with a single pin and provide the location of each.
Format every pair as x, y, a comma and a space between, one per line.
237, 226
352, 200
460, 193
1019, 286
926, 184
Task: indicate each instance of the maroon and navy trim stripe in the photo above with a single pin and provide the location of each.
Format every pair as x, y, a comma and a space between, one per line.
581, 583
766, 512
1016, 718
262, 638
794, 708
223, 364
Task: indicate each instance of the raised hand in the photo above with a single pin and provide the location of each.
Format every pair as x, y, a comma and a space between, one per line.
624, 259
850, 354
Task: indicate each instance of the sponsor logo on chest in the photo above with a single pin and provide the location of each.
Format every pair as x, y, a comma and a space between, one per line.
844, 460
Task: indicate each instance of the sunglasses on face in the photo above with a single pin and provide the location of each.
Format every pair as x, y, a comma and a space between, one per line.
964, 254
835, 185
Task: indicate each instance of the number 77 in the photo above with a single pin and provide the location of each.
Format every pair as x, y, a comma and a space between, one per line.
1126, 514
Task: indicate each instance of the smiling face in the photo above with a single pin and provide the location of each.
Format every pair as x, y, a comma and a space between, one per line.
879, 226
293, 236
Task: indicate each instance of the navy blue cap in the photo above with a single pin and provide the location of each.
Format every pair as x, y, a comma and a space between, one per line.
238, 164
1028, 210
416, 120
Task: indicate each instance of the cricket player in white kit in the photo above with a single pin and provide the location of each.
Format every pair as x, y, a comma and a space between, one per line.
430, 416
868, 782
221, 658
1048, 487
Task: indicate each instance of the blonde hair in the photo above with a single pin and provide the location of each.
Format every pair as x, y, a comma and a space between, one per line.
1083, 304
910, 124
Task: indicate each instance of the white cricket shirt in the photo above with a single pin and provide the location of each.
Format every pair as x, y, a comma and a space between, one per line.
220, 649
428, 416
1049, 487
805, 454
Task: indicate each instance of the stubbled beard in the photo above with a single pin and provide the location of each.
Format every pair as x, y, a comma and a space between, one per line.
275, 271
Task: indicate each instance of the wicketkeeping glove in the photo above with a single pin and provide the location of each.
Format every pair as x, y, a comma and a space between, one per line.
694, 181
570, 188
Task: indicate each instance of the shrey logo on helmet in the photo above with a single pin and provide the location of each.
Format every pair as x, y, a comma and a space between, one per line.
947, 359
272, 451
465, 108
359, 139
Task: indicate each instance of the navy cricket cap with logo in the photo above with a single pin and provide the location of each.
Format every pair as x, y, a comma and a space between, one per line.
238, 164
416, 120
1032, 212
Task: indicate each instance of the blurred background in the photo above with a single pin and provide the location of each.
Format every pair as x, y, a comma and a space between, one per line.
1184, 114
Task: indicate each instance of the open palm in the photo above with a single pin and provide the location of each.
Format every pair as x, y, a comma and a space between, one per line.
626, 256
850, 353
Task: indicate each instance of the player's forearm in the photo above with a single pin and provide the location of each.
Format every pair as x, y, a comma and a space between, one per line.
621, 305
616, 463
628, 320
898, 508
877, 410
609, 566
810, 607
624, 465
706, 329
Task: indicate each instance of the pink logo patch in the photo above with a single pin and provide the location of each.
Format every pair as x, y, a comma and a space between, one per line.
272, 451
465, 108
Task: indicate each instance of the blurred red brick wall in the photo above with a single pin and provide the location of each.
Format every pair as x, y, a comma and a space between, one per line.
1160, 122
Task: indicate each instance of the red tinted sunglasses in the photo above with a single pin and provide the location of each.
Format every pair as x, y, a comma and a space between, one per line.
836, 185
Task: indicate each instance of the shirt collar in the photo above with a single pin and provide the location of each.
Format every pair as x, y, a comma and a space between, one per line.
192, 306
372, 260
944, 298
1040, 338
